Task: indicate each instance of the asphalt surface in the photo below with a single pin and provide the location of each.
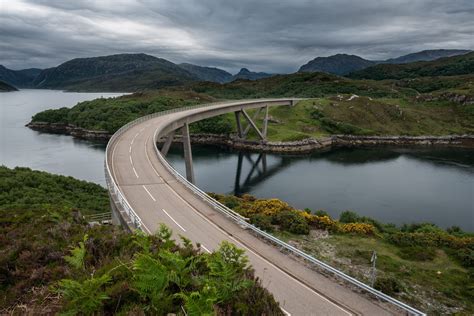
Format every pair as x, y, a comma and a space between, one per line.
157, 197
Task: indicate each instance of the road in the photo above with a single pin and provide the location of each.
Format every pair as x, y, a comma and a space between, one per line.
157, 197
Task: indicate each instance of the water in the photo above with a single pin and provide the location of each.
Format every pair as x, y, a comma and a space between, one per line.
21, 146
395, 185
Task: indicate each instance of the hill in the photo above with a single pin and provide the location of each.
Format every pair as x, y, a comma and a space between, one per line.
426, 55
5, 87
448, 66
123, 72
339, 64
246, 74
207, 73
19, 78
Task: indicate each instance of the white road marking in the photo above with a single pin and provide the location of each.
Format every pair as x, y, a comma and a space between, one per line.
130, 149
149, 193
174, 220
224, 232
204, 247
148, 158
135, 171
257, 255
284, 311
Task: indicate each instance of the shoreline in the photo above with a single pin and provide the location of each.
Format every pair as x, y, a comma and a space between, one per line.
302, 146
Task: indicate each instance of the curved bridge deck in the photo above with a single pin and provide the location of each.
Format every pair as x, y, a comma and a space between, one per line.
155, 195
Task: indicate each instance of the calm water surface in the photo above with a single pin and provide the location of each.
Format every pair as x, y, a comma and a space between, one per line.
21, 146
395, 185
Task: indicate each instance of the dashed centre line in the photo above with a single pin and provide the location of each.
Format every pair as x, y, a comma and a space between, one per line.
173, 220
149, 193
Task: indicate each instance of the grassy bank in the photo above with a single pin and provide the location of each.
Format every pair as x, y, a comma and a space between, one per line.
54, 262
421, 264
387, 107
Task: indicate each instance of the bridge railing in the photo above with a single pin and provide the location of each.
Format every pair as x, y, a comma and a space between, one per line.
240, 220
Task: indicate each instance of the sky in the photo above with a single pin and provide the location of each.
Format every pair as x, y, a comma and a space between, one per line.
265, 35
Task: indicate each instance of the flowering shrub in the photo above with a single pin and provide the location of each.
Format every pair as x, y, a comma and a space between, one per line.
357, 228
269, 207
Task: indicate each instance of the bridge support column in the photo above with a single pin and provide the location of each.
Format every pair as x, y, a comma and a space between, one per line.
188, 156
265, 122
239, 124
167, 144
251, 123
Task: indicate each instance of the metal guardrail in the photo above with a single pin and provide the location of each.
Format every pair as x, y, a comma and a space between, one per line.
232, 214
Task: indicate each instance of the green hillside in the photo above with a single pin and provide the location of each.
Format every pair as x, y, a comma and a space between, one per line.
124, 72
448, 66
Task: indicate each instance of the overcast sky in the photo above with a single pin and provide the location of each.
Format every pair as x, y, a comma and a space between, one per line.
263, 35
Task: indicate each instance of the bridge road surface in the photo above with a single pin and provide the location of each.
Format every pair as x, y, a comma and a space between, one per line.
157, 197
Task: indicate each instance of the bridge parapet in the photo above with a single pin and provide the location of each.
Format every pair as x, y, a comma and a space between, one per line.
128, 217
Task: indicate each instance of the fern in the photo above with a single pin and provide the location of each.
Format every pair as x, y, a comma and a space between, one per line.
227, 267
83, 297
150, 280
78, 254
164, 234
199, 303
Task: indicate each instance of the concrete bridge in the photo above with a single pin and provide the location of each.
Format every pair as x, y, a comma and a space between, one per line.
146, 191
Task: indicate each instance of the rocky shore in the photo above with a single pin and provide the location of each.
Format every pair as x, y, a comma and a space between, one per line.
301, 146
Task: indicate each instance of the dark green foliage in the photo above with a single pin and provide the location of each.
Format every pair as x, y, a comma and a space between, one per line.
48, 249
214, 125
388, 285
111, 114
349, 217
292, 222
449, 66
262, 221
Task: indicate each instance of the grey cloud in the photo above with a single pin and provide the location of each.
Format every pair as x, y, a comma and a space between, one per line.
272, 36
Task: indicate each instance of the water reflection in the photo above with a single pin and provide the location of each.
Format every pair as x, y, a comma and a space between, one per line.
392, 184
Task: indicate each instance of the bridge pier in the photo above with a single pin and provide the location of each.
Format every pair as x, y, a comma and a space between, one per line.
167, 144
251, 123
188, 156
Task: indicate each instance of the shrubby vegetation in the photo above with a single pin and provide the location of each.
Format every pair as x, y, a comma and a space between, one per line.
389, 107
53, 261
409, 257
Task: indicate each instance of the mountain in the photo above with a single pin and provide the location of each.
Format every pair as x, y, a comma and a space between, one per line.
448, 66
122, 72
426, 55
339, 64
5, 87
207, 73
246, 74
19, 78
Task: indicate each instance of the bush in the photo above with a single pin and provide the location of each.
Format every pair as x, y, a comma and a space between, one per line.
292, 222
357, 228
269, 207
262, 221
349, 217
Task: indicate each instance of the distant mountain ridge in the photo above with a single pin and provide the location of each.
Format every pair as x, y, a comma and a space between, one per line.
339, 64
121, 72
343, 64
5, 87
246, 74
207, 73
426, 55
447, 66
19, 78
